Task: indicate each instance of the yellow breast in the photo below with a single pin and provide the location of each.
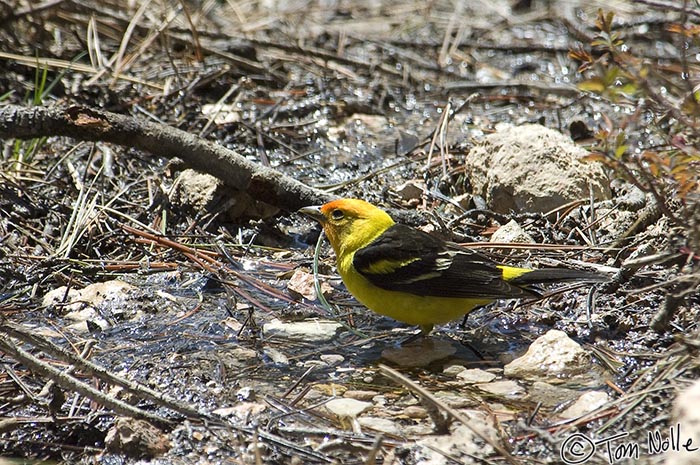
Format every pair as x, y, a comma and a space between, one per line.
409, 308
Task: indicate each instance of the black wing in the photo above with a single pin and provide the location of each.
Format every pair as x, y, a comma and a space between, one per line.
409, 260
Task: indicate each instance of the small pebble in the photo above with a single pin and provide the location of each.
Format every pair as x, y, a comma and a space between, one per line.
475, 375
506, 388
453, 370
588, 402
347, 408
456, 400
331, 389
550, 357
383, 425
333, 359
415, 411
360, 395
276, 356
246, 393
307, 331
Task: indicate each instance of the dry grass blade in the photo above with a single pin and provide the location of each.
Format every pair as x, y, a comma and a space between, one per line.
79, 222
118, 59
85, 215
94, 45
439, 136
455, 18
54, 63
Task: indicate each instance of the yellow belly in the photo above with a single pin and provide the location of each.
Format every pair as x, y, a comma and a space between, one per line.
409, 308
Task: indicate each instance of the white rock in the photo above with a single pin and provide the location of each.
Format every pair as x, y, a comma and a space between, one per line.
82, 317
91, 295
242, 353
383, 425
550, 395
197, 191
506, 388
461, 443
532, 168
332, 359
357, 394
551, 356
511, 232
87, 304
347, 408
309, 330
58, 296
475, 375
313, 363
222, 113
415, 411
242, 411
455, 399
276, 356
453, 370
586, 403
686, 427
99, 293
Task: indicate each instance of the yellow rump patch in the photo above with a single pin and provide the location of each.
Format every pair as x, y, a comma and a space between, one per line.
510, 272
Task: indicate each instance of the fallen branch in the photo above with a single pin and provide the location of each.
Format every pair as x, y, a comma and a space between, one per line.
68, 382
83, 123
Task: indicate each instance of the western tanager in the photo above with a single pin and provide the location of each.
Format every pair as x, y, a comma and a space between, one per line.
417, 278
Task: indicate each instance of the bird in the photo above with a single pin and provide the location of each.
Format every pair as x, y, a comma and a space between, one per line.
412, 276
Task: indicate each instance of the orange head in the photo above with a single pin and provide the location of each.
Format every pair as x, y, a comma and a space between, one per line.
349, 224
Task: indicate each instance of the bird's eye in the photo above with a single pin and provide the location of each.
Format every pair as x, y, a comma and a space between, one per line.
337, 214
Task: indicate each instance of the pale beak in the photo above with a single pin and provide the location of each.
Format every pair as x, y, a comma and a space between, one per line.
314, 212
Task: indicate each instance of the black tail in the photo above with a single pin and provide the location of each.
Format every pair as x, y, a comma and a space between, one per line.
557, 275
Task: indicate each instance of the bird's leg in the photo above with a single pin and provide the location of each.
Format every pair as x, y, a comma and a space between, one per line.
463, 324
423, 333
